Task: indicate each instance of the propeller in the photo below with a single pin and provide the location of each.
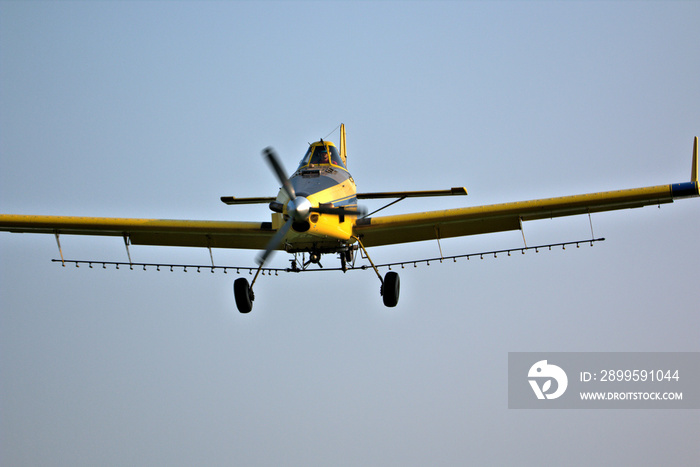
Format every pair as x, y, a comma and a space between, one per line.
276, 166
298, 208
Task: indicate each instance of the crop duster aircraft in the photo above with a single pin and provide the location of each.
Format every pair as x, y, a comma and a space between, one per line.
316, 213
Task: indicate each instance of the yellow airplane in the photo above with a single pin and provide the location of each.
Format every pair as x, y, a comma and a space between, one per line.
316, 213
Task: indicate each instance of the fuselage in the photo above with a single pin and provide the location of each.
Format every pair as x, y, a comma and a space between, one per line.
322, 178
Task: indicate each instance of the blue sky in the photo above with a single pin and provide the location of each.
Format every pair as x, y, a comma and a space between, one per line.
156, 109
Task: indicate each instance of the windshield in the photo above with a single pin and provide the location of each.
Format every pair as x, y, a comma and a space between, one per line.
322, 155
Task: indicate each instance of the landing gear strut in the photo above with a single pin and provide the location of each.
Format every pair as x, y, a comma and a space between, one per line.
390, 284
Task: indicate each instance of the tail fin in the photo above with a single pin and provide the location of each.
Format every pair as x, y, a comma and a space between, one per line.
344, 156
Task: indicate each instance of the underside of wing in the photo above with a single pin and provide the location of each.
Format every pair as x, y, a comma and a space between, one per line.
385, 230
189, 233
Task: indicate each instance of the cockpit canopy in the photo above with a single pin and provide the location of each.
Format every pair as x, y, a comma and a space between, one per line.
322, 153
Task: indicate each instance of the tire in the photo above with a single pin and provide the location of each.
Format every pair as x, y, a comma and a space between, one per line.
242, 294
390, 289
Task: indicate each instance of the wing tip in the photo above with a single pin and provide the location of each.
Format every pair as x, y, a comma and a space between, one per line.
694, 167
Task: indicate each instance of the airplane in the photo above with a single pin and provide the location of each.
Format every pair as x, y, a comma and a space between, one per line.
315, 212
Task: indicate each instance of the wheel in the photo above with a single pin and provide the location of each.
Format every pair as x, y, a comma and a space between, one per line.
390, 289
243, 295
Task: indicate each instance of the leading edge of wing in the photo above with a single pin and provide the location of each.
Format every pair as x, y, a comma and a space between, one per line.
402, 228
167, 232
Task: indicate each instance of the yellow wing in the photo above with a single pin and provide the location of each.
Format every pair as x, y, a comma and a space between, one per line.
508, 216
191, 233
373, 231
387, 230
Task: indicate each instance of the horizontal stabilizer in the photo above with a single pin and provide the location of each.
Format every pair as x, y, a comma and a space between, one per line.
234, 200
458, 191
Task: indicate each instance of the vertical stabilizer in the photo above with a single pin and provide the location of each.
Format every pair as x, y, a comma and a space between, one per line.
694, 168
344, 156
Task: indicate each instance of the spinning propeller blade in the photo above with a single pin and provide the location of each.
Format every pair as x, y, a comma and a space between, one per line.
274, 242
276, 165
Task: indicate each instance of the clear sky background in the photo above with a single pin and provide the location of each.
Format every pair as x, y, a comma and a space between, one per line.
140, 109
